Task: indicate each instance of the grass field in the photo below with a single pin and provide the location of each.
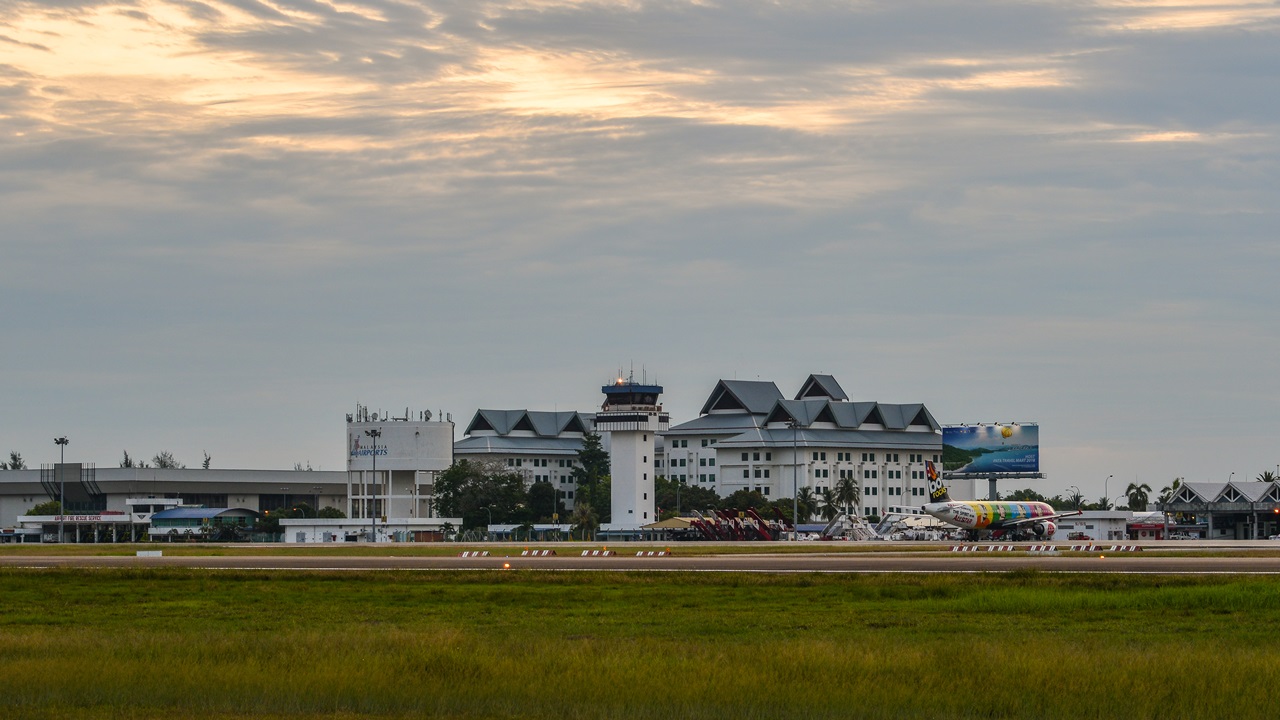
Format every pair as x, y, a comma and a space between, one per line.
176, 643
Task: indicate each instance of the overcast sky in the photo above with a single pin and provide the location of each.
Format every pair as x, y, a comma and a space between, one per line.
226, 222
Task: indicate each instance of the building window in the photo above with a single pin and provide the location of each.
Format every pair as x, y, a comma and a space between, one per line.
702, 477
711, 462
768, 456
702, 462
766, 472
757, 472
755, 457
704, 442
746, 473
744, 457
711, 477
766, 490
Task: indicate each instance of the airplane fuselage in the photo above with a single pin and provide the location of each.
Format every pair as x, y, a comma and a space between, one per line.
993, 515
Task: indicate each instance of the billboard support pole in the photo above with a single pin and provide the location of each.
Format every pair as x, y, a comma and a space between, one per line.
992, 494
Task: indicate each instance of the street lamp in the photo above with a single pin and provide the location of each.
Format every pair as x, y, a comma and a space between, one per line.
374, 433
61, 442
1106, 494
1079, 495
795, 478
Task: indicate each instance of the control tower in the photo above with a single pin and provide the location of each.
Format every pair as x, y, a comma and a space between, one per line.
632, 417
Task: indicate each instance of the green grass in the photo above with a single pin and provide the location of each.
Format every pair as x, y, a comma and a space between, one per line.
176, 643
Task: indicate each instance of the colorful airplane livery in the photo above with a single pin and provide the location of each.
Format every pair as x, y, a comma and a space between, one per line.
978, 516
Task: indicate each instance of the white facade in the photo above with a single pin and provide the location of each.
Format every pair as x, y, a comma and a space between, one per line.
329, 530
749, 437
392, 463
633, 419
541, 446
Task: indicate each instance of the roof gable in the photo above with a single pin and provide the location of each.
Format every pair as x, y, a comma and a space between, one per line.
821, 386
753, 396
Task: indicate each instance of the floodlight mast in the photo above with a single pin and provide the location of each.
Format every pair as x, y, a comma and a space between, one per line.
61, 442
372, 500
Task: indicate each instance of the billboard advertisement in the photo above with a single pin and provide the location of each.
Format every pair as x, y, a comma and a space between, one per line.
998, 448
401, 446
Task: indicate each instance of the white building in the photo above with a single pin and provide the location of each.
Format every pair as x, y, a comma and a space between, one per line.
541, 446
748, 436
392, 463
633, 418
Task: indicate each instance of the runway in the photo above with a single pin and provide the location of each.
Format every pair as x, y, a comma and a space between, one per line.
880, 562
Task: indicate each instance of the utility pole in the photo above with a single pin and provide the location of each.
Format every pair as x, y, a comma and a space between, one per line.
61, 442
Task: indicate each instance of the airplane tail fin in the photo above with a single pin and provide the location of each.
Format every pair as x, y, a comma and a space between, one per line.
937, 491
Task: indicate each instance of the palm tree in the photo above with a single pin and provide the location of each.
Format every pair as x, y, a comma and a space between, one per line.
830, 504
583, 519
1076, 498
1138, 496
848, 494
808, 503
1167, 492
1268, 476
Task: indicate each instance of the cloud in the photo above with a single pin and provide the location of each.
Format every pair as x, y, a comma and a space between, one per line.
307, 203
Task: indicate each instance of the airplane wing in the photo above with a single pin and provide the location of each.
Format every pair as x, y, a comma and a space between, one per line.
1027, 521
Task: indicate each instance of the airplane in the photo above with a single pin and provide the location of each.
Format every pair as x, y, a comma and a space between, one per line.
978, 516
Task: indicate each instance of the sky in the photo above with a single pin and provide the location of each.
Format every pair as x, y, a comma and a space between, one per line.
224, 223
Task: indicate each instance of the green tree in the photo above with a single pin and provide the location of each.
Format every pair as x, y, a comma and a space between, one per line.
1167, 492
1268, 477
1026, 495
848, 494
127, 462
807, 504
691, 497
584, 520
206, 462
829, 504
1138, 496
165, 459
476, 491
743, 499
15, 462
592, 476
49, 507
329, 511
544, 501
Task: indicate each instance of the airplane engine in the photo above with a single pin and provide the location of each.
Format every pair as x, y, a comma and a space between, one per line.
1044, 529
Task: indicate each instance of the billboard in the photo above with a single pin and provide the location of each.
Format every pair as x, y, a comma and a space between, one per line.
401, 446
998, 448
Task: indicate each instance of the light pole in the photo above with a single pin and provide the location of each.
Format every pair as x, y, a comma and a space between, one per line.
795, 479
61, 442
1106, 493
374, 433
1079, 495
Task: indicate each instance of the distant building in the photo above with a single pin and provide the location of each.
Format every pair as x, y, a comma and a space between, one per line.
749, 436
541, 446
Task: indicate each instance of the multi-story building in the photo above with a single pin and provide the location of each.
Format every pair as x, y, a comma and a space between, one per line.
541, 446
748, 436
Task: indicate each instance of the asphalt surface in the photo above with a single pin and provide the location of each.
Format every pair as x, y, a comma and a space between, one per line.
880, 562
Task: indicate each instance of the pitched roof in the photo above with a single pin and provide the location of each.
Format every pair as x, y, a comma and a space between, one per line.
752, 396
541, 423
821, 386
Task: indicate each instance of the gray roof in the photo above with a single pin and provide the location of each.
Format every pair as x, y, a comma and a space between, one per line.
1248, 491
783, 437
517, 445
821, 386
718, 424
541, 423
852, 415
753, 396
